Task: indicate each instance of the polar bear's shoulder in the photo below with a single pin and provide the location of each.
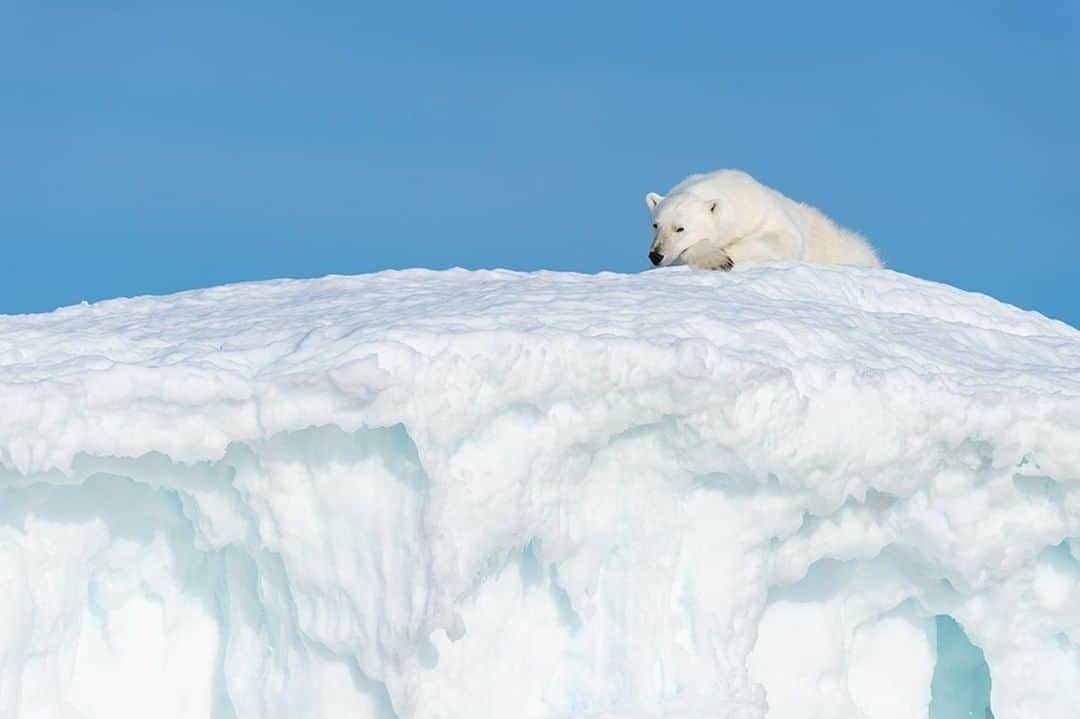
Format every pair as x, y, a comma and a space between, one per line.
708, 182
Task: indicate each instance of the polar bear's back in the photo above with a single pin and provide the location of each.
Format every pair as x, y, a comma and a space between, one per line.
824, 241
828, 243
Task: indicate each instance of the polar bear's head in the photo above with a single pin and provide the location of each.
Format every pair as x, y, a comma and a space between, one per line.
681, 221
707, 213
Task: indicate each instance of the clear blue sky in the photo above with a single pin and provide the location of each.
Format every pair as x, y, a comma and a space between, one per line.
152, 147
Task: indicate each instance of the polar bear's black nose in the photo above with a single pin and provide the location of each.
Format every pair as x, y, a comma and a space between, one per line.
655, 257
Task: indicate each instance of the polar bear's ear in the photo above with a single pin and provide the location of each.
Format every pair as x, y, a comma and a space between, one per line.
652, 200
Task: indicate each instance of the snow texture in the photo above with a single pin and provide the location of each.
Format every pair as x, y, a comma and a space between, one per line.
782, 492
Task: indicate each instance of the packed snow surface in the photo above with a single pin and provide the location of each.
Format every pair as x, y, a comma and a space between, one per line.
783, 492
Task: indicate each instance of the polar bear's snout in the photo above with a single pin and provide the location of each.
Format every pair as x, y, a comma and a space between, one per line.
655, 257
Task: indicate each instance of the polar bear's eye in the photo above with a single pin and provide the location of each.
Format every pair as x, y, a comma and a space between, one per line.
679, 229
654, 225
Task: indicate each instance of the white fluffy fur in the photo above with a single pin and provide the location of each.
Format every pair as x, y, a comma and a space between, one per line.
727, 218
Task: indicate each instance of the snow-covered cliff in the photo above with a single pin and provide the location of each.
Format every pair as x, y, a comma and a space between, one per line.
786, 492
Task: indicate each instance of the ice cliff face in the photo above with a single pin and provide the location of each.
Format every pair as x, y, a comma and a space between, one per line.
783, 492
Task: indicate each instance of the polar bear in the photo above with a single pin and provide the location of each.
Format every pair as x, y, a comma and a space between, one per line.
726, 218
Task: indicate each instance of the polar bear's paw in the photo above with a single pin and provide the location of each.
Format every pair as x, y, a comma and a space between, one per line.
711, 259
724, 263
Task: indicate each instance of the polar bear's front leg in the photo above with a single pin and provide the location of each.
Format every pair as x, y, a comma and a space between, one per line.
707, 256
770, 247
